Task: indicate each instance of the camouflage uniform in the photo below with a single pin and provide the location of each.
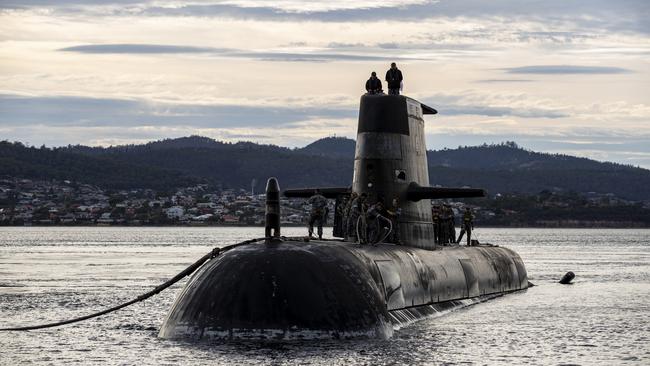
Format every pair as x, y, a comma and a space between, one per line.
435, 217
443, 231
451, 225
340, 221
467, 226
352, 217
357, 212
318, 212
347, 212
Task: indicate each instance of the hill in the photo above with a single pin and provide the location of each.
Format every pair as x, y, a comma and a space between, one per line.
507, 168
331, 146
59, 163
230, 165
165, 164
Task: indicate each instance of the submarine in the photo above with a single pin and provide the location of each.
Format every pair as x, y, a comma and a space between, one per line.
305, 288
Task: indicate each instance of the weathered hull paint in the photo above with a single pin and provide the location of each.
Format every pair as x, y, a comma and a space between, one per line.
324, 289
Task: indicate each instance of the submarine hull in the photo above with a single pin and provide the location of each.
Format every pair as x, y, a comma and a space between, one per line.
339, 289
329, 289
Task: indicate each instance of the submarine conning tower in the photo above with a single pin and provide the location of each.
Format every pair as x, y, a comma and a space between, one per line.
390, 165
390, 156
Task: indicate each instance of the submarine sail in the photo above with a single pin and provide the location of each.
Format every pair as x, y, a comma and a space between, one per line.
295, 288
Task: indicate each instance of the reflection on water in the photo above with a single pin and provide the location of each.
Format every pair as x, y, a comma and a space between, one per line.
49, 274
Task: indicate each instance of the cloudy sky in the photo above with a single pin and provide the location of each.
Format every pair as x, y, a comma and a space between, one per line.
553, 75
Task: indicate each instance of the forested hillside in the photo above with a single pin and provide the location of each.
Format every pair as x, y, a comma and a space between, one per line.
503, 168
18, 160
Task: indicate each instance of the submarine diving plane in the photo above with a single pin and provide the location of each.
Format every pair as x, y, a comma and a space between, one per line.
296, 288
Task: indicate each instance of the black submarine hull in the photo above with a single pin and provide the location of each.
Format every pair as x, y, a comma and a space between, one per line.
331, 289
339, 289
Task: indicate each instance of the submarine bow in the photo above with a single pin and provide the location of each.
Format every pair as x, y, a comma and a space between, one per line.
290, 290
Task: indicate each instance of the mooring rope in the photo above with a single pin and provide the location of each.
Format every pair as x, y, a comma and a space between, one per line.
390, 230
186, 272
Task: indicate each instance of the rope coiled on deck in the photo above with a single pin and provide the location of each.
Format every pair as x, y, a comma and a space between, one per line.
186, 272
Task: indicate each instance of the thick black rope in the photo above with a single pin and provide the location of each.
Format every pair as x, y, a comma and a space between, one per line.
186, 272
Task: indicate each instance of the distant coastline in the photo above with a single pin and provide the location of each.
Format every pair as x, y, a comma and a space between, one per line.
165, 165
25, 202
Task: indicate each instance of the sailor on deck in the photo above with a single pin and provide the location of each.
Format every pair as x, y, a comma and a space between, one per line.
437, 227
356, 216
450, 224
318, 213
377, 224
467, 226
347, 214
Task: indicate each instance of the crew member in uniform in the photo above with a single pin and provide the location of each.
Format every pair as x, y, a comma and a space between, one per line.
394, 79
451, 225
376, 223
444, 225
467, 226
435, 216
318, 211
373, 85
339, 215
356, 204
347, 212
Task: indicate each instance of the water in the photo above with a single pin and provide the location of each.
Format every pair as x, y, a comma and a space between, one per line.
49, 274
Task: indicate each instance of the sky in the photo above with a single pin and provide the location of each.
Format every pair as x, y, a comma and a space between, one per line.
559, 76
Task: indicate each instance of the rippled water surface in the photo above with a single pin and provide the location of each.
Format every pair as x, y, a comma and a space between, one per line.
49, 274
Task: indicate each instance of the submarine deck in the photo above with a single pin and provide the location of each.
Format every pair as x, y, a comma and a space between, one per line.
409, 276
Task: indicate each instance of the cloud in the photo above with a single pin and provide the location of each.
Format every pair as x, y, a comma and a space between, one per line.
553, 36
93, 112
345, 45
62, 120
600, 14
285, 6
454, 110
628, 15
565, 69
478, 103
59, 120
623, 11
83, 112
316, 57
66, 3
228, 52
504, 81
141, 48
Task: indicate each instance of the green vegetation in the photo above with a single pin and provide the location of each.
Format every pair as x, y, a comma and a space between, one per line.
569, 209
104, 170
167, 164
